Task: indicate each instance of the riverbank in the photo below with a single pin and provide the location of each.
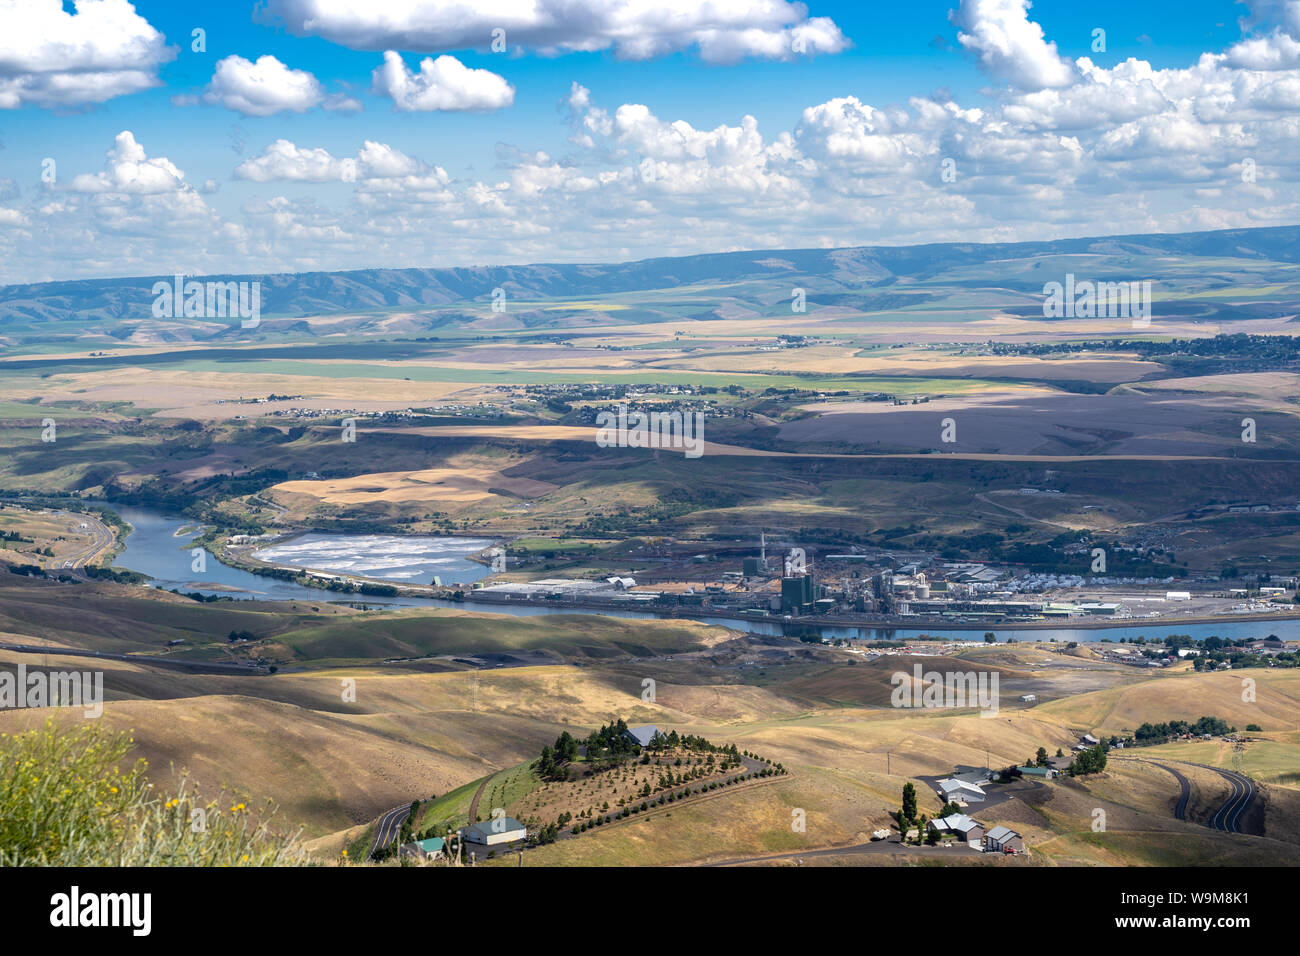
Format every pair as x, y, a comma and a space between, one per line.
154, 548
245, 561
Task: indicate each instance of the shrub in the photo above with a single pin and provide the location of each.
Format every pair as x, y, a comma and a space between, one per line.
64, 801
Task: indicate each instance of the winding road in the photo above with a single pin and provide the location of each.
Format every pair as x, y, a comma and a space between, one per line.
1227, 817
389, 826
1185, 791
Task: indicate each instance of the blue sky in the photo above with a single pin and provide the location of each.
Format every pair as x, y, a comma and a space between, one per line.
607, 130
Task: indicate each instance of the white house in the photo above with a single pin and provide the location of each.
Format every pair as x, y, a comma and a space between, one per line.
960, 791
494, 832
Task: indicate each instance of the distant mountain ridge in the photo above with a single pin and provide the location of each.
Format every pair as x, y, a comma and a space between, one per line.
323, 293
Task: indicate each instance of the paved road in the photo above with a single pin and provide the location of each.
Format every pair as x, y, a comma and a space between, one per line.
389, 826
101, 538
994, 793
1228, 817
1184, 794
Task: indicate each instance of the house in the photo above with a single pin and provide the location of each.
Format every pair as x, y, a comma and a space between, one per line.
642, 736
494, 832
1004, 840
428, 849
1028, 698
960, 825
976, 775
1088, 740
1043, 773
959, 791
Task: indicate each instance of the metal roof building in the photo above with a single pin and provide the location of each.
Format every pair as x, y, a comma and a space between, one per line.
962, 825
960, 789
494, 831
1002, 838
643, 735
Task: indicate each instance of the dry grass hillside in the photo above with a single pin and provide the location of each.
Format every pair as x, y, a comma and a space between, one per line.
332, 763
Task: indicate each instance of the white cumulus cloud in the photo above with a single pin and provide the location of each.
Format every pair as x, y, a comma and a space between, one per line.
129, 170
441, 84
51, 57
284, 161
1274, 43
1009, 45
266, 87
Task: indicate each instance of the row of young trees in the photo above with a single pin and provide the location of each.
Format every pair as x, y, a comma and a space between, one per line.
672, 797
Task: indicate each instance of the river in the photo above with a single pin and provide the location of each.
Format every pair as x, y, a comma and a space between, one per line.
155, 548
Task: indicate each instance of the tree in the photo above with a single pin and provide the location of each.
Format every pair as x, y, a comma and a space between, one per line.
566, 747
1041, 759
990, 637
909, 804
1092, 760
546, 764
